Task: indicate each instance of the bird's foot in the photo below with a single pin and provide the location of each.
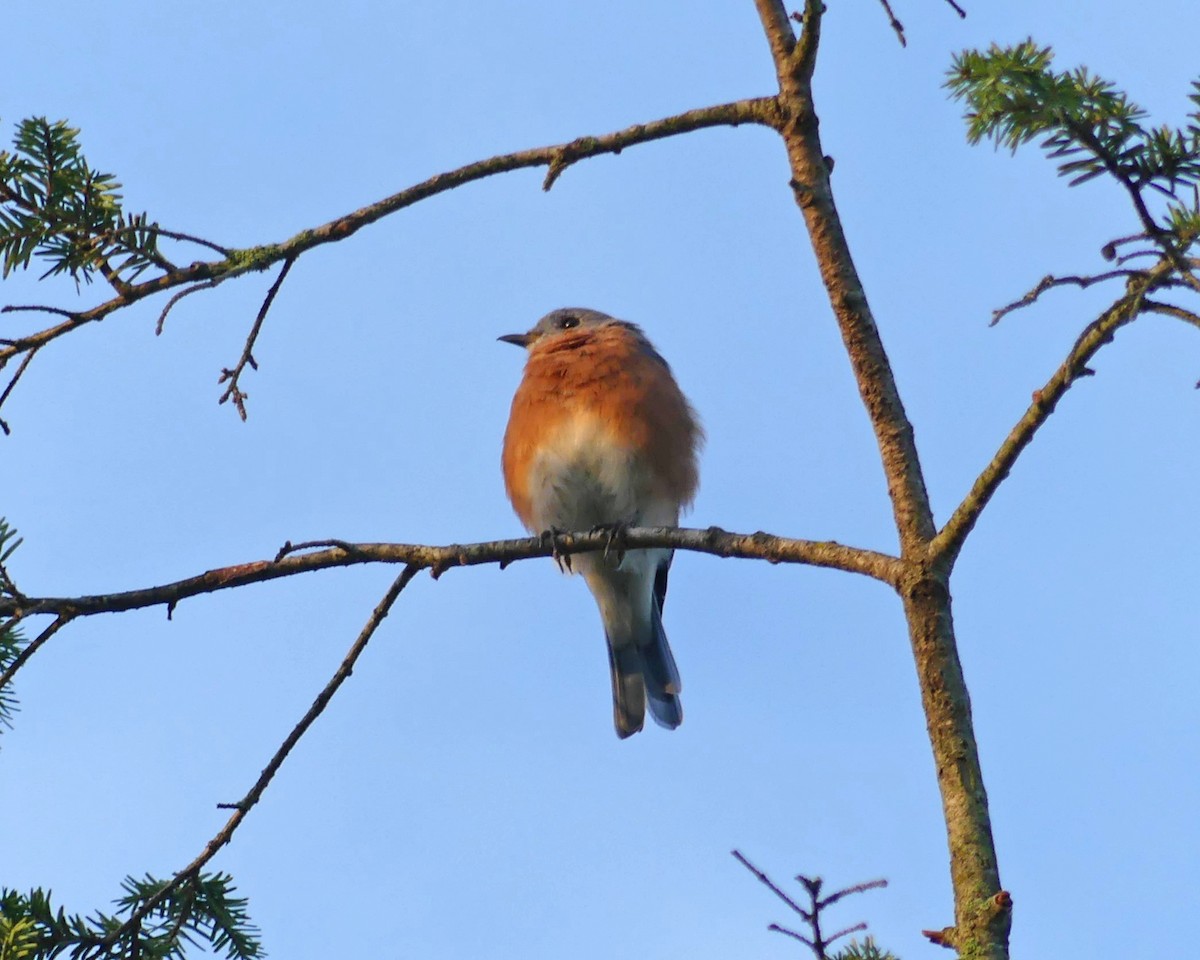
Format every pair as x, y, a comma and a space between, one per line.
550, 538
616, 539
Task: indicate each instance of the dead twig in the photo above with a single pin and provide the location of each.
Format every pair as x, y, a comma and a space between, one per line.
233, 392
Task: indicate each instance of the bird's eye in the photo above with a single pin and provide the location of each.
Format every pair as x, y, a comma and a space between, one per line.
568, 322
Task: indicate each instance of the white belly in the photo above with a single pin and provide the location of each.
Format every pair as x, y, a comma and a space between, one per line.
583, 478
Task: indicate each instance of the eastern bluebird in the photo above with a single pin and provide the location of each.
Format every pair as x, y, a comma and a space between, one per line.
601, 436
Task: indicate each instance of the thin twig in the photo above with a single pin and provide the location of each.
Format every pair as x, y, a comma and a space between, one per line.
16, 308
896, 25
1109, 250
32, 647
1138, 254
1172, 310
812, 916
957, 9
858, 927
770, 885
162, 317
247, 803
233, 392
1049, 282
289, 548
776, 928
856, 888
25, 361
189, 238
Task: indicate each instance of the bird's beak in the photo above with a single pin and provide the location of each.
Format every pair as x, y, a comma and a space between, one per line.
517, 339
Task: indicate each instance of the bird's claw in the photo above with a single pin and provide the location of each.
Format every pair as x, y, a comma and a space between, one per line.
615, 539
550, 538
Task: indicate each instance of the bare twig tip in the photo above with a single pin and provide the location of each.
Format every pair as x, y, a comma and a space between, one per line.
896, 25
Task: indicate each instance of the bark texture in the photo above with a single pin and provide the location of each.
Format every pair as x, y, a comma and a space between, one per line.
982, 908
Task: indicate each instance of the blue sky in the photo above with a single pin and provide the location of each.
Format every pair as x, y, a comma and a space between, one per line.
465, 794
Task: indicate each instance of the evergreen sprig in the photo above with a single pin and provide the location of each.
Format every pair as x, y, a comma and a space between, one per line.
12, 642
1013, 97
55, 207
200, 912
867, 950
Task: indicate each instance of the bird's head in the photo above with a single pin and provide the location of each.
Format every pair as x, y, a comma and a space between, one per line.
566, 321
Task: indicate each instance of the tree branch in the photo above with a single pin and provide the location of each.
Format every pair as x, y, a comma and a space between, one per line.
814, 195
925, 590
777, 27
949, 541
438, 559
557, 158
243, 807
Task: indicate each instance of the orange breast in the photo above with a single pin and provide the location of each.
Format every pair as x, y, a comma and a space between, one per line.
609, 373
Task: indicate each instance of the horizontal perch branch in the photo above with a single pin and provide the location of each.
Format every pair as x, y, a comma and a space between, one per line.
437, 559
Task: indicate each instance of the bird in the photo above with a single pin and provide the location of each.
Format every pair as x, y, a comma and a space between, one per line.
600, 437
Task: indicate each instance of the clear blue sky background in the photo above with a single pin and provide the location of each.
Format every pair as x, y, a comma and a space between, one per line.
465, 795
